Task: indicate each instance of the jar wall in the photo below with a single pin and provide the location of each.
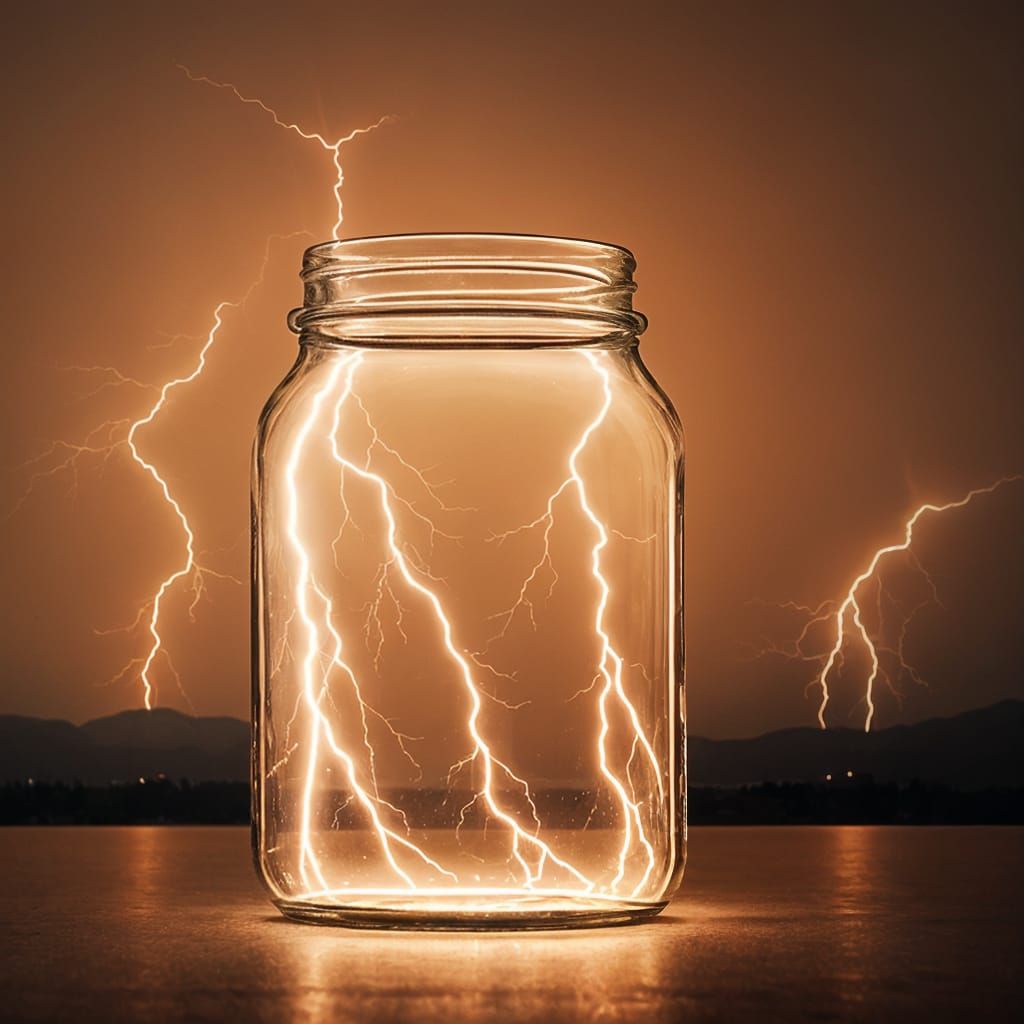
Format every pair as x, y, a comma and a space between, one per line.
468, 651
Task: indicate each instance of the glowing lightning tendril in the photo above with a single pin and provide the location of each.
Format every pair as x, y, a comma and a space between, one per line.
110, 437
849, 612
189, 567
610, 665
334, 148
533, 855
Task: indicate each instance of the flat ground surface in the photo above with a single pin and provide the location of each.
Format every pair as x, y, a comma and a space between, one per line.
161, 924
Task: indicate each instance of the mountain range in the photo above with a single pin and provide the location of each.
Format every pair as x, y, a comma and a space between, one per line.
124, 747
974, 750
977, 749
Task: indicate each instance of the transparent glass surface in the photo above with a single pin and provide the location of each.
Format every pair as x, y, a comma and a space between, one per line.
468, 699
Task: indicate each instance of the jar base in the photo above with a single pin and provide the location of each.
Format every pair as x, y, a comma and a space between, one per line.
522, 912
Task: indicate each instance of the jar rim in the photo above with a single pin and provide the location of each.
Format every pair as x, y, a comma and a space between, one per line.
336, 248
467, 285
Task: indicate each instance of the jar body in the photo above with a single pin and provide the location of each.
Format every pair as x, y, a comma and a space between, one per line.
468, 700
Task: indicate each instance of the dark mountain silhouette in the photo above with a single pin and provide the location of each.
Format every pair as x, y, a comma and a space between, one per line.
124, 747
974, 750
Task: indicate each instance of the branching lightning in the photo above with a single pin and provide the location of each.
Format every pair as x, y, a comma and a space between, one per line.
189, 568
541, 869
110, 438
610, 664
316, 690
846, 616
332, 147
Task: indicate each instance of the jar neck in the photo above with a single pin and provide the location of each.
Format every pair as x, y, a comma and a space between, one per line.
454, 332
457, 291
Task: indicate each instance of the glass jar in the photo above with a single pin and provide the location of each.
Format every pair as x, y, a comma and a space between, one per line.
467, 556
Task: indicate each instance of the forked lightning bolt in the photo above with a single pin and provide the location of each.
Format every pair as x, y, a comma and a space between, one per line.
332, 147
610, 665
846, 616
189, 566
534, 857
315, 690
111, 437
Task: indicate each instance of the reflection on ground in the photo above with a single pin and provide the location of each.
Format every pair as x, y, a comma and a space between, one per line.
170, 924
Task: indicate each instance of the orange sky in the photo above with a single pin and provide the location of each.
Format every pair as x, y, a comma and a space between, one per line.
826, 212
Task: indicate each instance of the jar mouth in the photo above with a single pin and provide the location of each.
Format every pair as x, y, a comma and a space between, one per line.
469, 288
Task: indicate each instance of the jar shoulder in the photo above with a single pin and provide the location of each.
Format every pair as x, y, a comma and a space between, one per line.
635, 390
650, 393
